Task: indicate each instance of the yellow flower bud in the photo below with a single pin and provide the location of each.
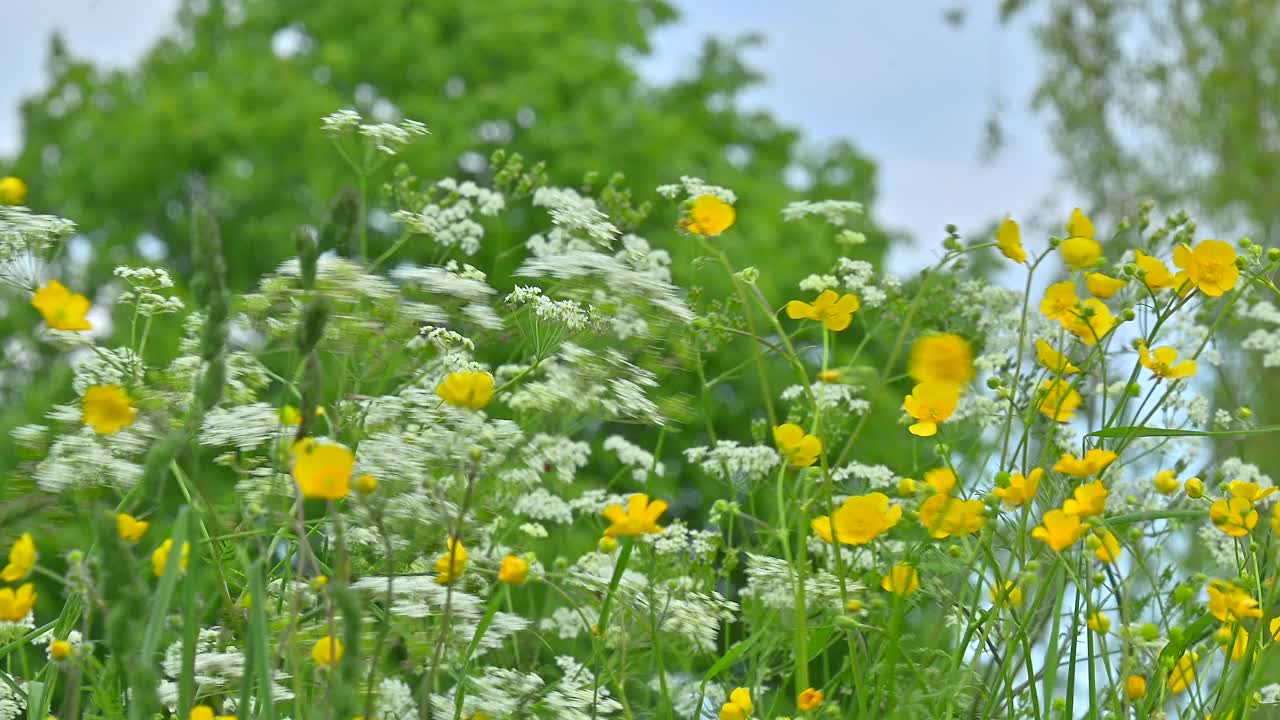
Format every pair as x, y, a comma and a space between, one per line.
366, 484
1195, 488
1135, 686
60, 650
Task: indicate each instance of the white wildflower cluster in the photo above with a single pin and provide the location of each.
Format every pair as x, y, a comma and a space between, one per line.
387, 138
693, 187
875, 477
79, 459
771, 582
829, 397
13, 704
1265, 341
442, 281
487, 202
574, 316
143, 293
729, 461
390, 138
24, 237
541, 504
576, 213
640, 461
854, 276
835, 212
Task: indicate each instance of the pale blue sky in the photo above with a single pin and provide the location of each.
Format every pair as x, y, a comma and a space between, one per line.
907, 88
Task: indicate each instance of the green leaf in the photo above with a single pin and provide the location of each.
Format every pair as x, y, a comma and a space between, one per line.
168, 585
730, 657
1138, 431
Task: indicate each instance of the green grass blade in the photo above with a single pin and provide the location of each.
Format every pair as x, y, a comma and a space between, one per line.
1139, 431
168, 585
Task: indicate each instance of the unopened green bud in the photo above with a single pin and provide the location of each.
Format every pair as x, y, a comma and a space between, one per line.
1183, 593
1133, 389
1128, 314
1149, 632
993, 382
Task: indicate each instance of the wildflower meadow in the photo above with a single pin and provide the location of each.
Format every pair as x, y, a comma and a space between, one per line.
380, 488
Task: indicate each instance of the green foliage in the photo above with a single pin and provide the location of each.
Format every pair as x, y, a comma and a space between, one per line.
213, 111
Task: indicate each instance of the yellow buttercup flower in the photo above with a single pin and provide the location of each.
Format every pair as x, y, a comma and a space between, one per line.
1194, 488
1161, 362
1274, 627
13, 191
1009, 240
1230, 603
1102, 286
130, 528
1235, 516
1234, 649
322, 470
1088, 500
15, 605
327, 652
1109, 549
739, 705
513, 571
366, 484
1251, 491
1157, 275
61, 308
1210, 266
1091, 321
1183, 672
941, 480
809, 699
1010, 594
800, 448
1060, 301
1053, 360
944, 515
60, 650
1099, 623
1135, 687
1166, 482
204, 712
709, 215
1094, 462
160, 557
1021, 488
106, 409
452, 562
1060, 400
472, 389
902, 580
1059, 530
833, 310
941, 357
640, 517
22, 559
859, 520
1080, 250
930, 403
830, 376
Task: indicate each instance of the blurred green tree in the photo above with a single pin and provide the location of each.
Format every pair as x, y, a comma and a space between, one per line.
1175, 100
228, 106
